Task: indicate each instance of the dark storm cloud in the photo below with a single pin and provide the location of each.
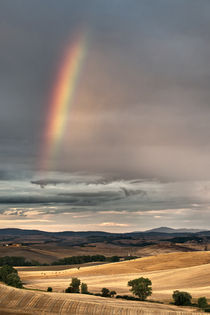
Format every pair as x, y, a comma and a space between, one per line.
142, 105
122, 203
72, 198
128, 192
88, 181
139, 121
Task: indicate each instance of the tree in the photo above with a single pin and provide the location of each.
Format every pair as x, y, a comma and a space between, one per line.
105, 292
74, 286
5, 271
182, 298
141, 287
202, 302
14, 280
10, 276
49, 289
75, 283
84, 288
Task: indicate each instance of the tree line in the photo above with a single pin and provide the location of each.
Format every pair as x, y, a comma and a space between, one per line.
72, 260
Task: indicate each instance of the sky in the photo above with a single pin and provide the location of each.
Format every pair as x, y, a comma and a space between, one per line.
132, 150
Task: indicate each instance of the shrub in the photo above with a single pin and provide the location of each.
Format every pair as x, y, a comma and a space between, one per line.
105, 292
113, 259
112, 293
202, 302
207, 310
181, 298
49, 289
68, 290
141, 287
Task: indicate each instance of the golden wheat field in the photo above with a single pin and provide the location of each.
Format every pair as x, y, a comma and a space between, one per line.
20, 301
175, 271
183, 271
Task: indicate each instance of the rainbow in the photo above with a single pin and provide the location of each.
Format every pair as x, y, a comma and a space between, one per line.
62, 98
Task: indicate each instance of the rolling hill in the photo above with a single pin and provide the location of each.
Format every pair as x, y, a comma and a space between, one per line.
20, 301
168, 272
47, 247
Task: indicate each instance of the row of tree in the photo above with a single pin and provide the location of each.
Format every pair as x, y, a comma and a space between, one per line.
17, 261
72, 260
77, 287
185, 299
142, 288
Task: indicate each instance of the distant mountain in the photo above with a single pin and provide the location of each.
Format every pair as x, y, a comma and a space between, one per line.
14, 231
160, 230
168, 230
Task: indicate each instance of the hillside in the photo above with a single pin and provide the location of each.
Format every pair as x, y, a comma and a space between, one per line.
168, 272
47, 247
17, 301
152, 263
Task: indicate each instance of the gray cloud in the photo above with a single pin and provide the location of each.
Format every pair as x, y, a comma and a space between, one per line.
139, 121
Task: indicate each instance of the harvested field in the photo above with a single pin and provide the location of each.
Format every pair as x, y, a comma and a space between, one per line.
17, 301
168, 272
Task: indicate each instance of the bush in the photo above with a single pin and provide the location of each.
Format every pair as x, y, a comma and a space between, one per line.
113, 259
202, 302
68, 290
141, 287
49, 289
84, 288
181, 298
105, 292
112, 293
207, 310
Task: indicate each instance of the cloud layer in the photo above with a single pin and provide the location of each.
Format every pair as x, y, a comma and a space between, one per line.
85, 202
